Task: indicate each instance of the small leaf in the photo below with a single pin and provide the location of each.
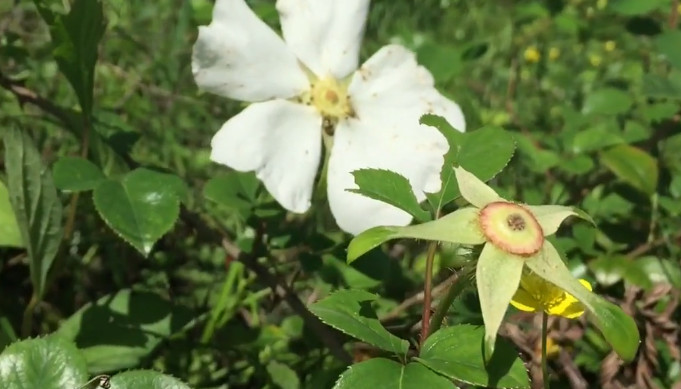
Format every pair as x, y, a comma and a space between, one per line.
233, 190
75, 37
391, 188
596, 138
75, 174
383, 373
632, 165
283, 376
609, 270
634, 7
661, 87
147, 379
455, 352
119, 331
10, 235
607, 101
36, 205
51, 362
350, 311
142, 207
648, 271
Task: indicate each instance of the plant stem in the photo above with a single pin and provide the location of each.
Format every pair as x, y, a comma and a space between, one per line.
427, 297
544, 367
455, 289
27, 322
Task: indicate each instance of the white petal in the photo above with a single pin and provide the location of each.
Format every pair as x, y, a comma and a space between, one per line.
392, 82
281, 141
394, 143
240, 57
325, 34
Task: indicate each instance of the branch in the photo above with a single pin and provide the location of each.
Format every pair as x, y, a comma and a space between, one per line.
25, 95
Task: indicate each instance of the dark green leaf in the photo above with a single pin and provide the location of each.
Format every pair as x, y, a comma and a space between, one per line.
118, 331
147, 379
142, 207
668, 44
381, 373
234, 190
75, 174
10, 235
75, 37
391, 188
607, 101
51, 362
350, 311
457, 353
661, 87
632, 165
36, 205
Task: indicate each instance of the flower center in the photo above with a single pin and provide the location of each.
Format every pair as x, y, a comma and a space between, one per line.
512, 228
330, 98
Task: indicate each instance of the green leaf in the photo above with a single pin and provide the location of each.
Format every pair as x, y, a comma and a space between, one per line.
668, 44
632, 165
75, 174
596, 138
617, 328
634, 7
51, 362
661, 87
147, 379
648, 271
456, 227
75, 38
609, 270
142, 207
483, 152
234, 190
10, 234
350, 311
36, 205
381, 373
391, 188
283, 376
455, 352
607, 101
443, 61
119, 331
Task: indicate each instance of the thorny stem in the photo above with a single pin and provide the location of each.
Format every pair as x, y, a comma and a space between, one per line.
453, 292
427, 296
544, 330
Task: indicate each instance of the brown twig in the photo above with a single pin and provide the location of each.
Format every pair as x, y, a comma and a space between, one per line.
427, 293
25, 95
418, 298
644, 248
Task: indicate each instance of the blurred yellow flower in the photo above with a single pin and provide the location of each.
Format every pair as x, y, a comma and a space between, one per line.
610, 45
536, 294
595, 59
600, 4
532, 55
554, 53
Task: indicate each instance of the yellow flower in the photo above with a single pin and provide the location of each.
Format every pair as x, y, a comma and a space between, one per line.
610, 45
536, 294
554, 53
601, 4
532, 55
595, 60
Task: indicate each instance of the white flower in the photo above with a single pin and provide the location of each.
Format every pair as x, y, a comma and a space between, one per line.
309, 87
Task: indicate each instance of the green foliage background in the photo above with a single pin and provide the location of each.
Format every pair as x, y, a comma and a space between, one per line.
591, 92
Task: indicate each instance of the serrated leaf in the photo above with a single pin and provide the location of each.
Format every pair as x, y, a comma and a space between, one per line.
147, 379
51, 362
632, 165
10, 235
350, 311
119, 331
607, 101
75, 37
381, 373
75, 174
484, 152
456, 352
142, 207
391, 188
36, 205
